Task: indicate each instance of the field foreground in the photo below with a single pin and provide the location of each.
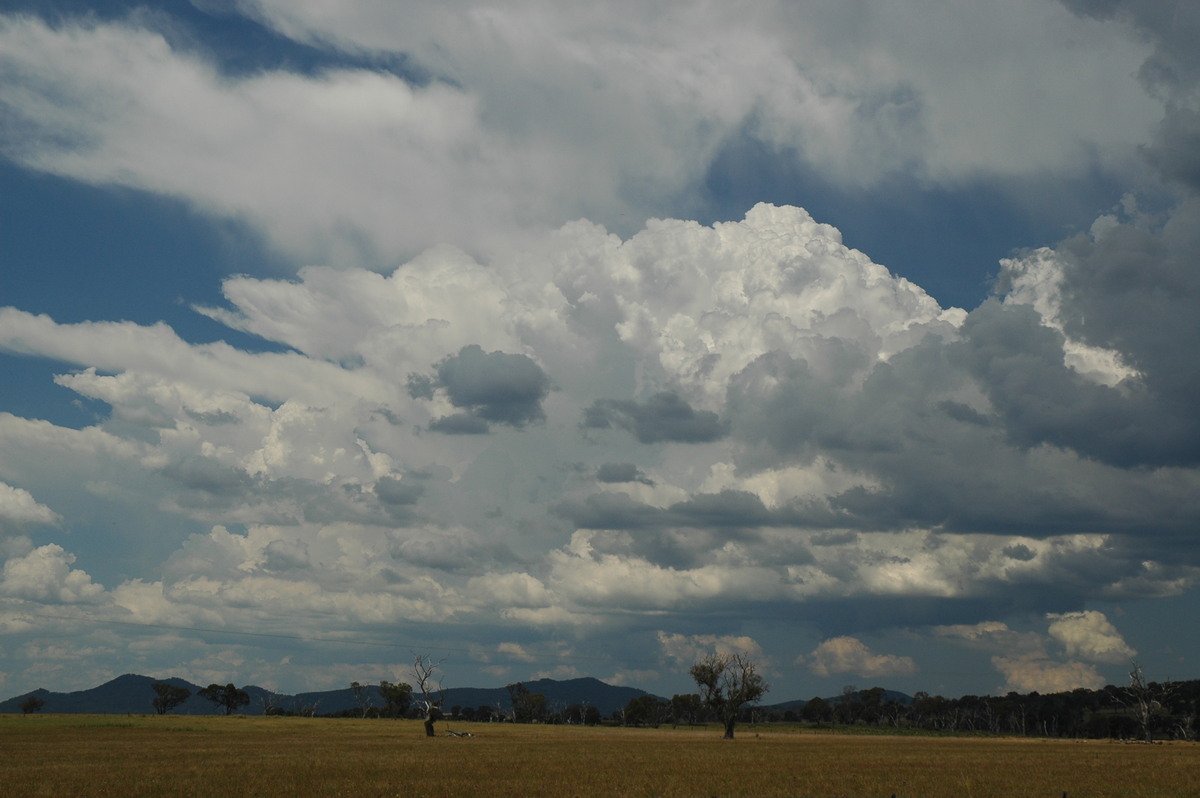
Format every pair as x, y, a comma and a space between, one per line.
219, 756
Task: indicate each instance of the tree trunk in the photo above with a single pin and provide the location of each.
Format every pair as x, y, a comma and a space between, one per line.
429, 725
729, 728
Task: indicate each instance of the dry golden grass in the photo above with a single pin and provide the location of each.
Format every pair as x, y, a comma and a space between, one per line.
218, 756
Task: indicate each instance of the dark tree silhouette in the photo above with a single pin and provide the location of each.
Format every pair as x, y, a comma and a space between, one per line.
397, 698
526, 707
168, 696
645, 710
229, 697
686, 708
817, 710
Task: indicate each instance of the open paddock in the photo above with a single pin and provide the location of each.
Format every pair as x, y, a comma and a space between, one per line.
183, 755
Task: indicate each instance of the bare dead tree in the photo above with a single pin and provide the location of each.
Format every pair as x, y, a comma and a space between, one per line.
424, 671
364, 699
271, 703
1141, 699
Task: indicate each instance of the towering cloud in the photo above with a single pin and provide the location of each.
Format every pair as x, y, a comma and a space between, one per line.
497, 386
805, 428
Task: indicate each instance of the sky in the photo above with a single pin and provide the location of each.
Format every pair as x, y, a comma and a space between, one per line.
560, 339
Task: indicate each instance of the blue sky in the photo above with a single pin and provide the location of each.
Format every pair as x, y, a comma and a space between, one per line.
560, 341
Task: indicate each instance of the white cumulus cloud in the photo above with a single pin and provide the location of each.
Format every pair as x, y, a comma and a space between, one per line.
850, 655
18, 508
1089, 635
45, 574
1026, 674
685, 650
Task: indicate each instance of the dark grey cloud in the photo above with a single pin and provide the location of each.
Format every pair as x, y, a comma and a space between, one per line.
1173, 26
285, 555
668, 547
210, 476
664, 417
1019, 552
725, 510
1175, 150
396, 492
1040, 450
489, 387
496, 386
445, 550
1171, 72
1137, 290
776, 402
214, 418
610, 511
1040, 400
460, 424
204, 486
421, 386
621, 472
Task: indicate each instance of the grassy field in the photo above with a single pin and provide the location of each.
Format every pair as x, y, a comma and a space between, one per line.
81, 755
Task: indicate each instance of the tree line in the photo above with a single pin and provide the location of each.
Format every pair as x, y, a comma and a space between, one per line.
730, 687
1141, 710
726, 682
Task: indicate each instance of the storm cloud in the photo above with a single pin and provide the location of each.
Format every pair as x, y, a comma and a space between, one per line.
663, 417
490, 387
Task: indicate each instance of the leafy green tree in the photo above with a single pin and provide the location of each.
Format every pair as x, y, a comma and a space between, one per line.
686, 708
872, 701
645, 710
532, 709
32, 704
526, 707
168, 696
397, 698
229, 697
727, 682
817, 710
848, 706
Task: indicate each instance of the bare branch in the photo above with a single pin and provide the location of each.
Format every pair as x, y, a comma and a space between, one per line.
424, 671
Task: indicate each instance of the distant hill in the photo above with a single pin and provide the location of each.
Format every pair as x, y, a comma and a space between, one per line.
124, 694
592, 692
888, 696
133, 694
